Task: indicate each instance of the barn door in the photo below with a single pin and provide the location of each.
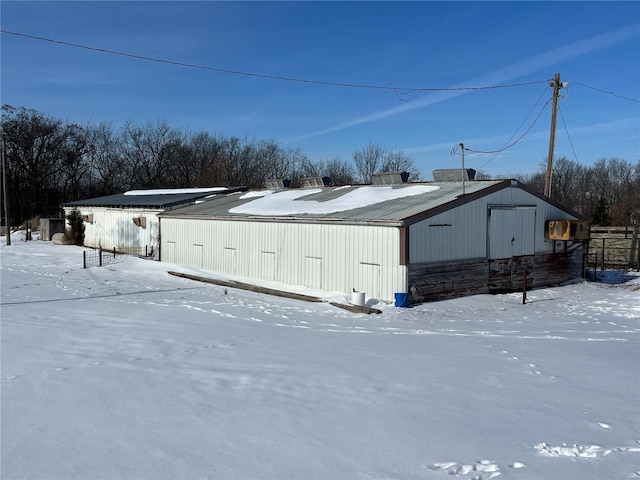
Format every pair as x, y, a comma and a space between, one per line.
314, 272
511, 231
230, 260
197, 257
268, 264
511, 246
370, 279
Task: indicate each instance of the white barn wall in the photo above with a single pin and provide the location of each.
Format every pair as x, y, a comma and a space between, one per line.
320, 256
114, 227
466, 238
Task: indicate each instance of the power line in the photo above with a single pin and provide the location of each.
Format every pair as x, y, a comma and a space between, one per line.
454, 151
609, 93
400, 91
567, 131
519, 127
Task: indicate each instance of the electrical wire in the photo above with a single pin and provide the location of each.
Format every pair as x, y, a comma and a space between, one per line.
454, 151
567, 131
518, 129
397, 90
609, 93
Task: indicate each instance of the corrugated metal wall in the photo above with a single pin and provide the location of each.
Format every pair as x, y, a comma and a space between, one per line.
329, 257
511, 231
462, 233
114, 227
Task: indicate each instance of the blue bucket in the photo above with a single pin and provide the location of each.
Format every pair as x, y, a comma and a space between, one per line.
402, 300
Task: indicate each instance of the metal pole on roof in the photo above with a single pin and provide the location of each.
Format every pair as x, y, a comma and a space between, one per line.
462, 149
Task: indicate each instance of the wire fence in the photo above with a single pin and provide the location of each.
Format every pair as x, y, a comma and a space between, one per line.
613, 248
101, 257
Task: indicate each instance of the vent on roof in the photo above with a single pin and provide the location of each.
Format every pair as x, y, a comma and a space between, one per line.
315, 182
140, 221
277, 183
88, 218
454, 175
389, 178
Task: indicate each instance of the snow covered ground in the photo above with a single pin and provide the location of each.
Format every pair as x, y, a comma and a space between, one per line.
127, 372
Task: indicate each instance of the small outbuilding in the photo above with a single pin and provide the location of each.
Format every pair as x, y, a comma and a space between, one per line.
428, 240
128, 222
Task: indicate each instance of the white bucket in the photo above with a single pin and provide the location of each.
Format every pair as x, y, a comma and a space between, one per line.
357, 298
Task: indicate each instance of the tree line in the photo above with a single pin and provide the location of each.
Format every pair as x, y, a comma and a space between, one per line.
50, 161
607, 192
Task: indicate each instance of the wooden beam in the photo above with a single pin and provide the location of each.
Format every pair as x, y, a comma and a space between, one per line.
248, 286
355, 308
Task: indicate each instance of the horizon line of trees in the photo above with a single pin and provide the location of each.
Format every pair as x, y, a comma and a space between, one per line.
51, 161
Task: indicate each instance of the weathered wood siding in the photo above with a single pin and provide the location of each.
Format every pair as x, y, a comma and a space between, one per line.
438, 281
555, 268
508, 274
442, 280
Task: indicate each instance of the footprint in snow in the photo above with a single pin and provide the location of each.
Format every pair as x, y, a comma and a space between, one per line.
480, 470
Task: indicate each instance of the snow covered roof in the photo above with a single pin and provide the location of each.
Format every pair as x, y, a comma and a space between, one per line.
358, 204
389, 204
156, 199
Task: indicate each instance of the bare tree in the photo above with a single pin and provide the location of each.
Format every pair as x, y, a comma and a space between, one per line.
109, 172
375, 158
369, 161
338, 171
150, 151
44, 157
397, 161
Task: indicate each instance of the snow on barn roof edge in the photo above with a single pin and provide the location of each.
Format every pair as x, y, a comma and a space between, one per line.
155, 198
386, 204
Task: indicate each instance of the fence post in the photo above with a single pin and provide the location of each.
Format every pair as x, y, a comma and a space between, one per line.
602, 269
84, 259
100, 257
524, 288
146, 251
114, 252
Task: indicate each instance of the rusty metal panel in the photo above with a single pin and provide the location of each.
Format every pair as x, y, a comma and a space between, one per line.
567, 229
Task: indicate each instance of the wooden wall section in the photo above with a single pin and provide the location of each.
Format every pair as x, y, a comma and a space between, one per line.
439, 281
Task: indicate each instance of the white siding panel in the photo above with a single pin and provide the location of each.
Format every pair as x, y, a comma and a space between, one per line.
292, 253
313, 272
114, 227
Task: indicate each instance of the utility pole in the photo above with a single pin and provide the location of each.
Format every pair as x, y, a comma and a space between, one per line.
7, 231
552, 136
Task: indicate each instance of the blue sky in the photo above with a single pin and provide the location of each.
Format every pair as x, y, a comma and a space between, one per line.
410, 45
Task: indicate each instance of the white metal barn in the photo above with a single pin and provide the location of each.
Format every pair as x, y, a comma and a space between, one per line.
430, 240
128, 222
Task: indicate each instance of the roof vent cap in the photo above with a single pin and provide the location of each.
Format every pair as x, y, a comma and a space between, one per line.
277, 183
454, 175
315, 182
389, 178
